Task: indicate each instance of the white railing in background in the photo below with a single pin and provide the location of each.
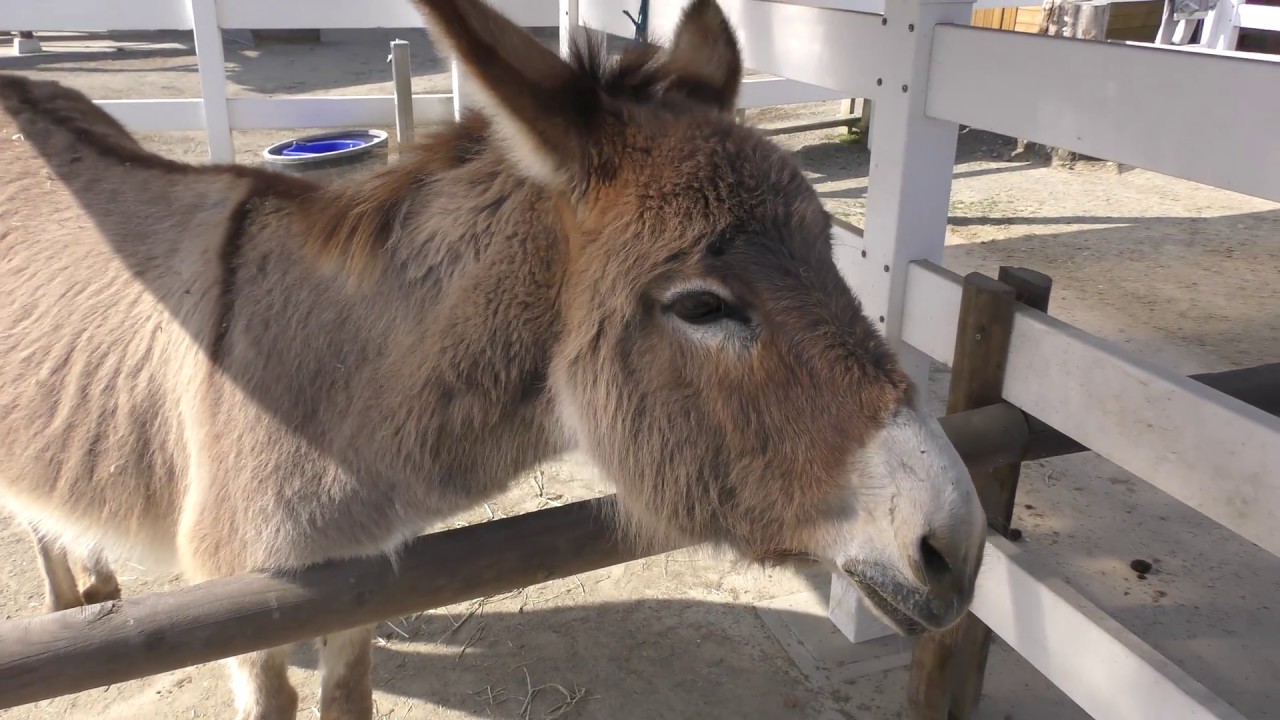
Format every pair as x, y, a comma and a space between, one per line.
1220, 28
926, 73
218, 115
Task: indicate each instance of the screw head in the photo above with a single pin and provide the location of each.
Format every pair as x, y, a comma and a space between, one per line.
864, 253
884, 21
904, 88
881, 318
886, 268
879, 81
911, 27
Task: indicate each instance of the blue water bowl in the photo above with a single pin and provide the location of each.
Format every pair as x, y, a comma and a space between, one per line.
326, 150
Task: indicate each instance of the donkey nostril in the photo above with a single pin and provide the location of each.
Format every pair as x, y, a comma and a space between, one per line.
936, 567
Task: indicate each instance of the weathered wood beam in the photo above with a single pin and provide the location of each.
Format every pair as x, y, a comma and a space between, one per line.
75, 650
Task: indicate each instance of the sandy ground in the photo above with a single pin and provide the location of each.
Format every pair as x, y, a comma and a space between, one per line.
1182, 273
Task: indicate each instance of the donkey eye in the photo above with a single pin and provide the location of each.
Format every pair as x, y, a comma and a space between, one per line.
699, 308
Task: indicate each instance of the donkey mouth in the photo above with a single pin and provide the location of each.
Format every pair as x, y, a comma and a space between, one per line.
897, 616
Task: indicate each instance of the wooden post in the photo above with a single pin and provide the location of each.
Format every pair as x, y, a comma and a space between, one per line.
977, 377
947, 668
997, 488
212, 68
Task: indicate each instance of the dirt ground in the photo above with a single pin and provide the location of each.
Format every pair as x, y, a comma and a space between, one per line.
1180, 272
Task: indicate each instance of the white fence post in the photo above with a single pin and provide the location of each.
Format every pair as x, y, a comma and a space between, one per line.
463, 95
1219, 29
570, 27
213, 79
908, 195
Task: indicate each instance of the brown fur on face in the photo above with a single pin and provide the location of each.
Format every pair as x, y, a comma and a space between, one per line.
226, 369
779, 412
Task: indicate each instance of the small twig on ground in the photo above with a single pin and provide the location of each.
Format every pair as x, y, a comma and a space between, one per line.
570, 699
475, 638
397, 629
491, 696
538, 601
526, 662
528, 698
458, 623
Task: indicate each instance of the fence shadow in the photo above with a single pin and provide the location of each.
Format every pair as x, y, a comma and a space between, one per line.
63, 50
833, 161
668, 658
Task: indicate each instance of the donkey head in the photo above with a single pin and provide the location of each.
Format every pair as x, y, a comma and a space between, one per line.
712, 360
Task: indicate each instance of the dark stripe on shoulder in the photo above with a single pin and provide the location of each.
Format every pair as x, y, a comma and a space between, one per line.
229, 265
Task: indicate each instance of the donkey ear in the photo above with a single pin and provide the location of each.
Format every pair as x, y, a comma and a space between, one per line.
703, 61
537, 101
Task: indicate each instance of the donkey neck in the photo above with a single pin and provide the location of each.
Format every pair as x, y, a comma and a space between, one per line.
435, 370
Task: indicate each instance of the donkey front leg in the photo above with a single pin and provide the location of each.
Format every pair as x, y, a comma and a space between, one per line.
260, 682
103, 584
346, 688
60, 590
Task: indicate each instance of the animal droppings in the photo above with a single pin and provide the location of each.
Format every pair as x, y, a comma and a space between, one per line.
1140, 566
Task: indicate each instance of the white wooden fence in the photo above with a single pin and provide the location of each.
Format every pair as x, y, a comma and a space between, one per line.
926, 72
218, 115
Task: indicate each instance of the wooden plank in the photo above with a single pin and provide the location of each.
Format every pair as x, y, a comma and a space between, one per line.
1137, 117
939, 660
1009, 18
997, 489
1105, 669
84, 648
1175, 433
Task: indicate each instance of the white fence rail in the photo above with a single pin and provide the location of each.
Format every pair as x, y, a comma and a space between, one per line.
1120, 102
218, 115
926, 73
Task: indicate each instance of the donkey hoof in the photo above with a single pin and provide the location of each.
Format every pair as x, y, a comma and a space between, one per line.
95, 594
53, 606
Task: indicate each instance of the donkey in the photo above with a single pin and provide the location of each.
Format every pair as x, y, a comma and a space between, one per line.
224, 369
